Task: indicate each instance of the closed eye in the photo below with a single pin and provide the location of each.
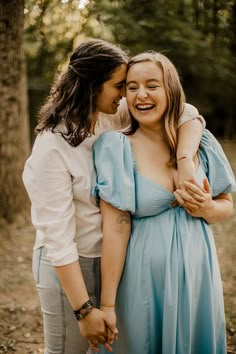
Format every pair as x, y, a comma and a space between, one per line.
120, 84
132, 88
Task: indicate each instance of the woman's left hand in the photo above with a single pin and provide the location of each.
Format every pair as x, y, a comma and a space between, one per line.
196, 200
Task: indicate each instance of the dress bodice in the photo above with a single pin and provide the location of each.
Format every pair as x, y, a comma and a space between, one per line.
153, 199
120, 183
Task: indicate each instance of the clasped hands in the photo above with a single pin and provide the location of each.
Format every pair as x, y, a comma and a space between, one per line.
99, 327
196, 200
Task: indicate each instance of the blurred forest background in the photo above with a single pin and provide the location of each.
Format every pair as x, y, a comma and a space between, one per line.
36, 40
199, 36
37, 37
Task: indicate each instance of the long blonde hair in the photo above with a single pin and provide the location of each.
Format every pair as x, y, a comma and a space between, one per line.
175, 97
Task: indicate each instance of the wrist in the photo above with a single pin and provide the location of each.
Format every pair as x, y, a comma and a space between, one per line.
183, 157
111, 306
209, 214
84, 310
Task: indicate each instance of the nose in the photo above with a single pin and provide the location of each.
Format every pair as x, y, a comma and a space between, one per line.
142, 92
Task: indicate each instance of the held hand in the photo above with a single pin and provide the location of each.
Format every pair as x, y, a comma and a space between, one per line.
110, 321
112, 332
196, 200
93, 327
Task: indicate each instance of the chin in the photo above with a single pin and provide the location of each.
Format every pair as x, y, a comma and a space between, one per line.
114, 110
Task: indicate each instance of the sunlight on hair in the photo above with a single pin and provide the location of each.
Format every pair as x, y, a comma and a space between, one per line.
83, 3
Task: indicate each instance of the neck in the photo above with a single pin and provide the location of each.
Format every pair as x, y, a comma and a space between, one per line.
155, 133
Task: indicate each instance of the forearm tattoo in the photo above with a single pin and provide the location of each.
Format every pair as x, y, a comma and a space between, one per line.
123, 218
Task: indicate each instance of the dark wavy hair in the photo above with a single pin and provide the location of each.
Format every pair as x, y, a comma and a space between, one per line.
72, 98
175, 98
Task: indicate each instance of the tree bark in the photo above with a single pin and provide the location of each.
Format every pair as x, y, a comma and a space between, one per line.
215, 20
196, 14
14, 130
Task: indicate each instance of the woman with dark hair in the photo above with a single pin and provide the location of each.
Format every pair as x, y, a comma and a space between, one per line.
59, 176
170, 298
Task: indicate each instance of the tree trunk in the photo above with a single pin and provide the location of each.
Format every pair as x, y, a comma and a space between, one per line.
215, 19
14, 131
196, 14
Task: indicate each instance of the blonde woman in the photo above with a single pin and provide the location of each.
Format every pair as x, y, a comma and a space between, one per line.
169, 299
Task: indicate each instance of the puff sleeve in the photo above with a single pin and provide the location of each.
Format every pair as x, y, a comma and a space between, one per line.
216, 165
190, 112
114, 167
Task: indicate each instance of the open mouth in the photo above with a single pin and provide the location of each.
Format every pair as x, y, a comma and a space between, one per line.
144, 107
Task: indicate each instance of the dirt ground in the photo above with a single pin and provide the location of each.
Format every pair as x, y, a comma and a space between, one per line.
21, 329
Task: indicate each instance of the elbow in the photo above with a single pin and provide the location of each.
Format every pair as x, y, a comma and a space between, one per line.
228, 211
232, 210
230, 207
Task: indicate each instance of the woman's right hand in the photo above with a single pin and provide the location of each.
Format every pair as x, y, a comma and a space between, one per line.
112, 332
94, 328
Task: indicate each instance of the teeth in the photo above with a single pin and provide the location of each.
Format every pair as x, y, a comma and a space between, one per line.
144, 106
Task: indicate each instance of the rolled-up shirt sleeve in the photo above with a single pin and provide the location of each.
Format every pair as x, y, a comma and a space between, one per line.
49, 186
190, 112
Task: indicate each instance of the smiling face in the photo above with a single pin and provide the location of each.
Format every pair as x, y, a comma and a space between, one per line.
145, 93
111, 93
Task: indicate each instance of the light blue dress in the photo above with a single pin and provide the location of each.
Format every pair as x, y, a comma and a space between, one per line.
170, 298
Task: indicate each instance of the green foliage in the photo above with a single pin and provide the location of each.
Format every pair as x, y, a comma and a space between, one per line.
51, 28
198, 36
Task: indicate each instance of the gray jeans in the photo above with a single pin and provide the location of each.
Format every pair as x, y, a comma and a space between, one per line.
61, 330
